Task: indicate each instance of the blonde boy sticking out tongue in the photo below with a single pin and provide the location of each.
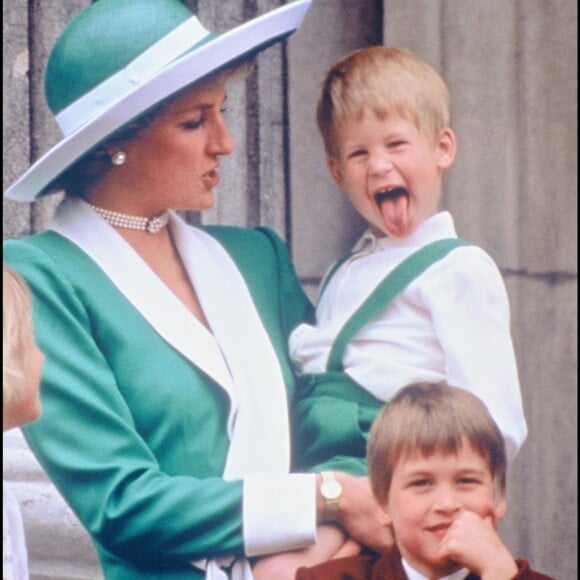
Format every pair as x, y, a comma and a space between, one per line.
411, 302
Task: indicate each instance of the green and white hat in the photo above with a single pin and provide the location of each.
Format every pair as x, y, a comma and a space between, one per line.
119, 58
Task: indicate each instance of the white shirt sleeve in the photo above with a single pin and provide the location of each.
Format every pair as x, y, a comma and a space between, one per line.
470, 311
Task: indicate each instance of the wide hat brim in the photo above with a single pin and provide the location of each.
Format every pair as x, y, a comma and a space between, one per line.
246, 39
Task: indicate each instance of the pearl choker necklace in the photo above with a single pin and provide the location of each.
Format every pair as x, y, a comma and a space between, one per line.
131, 222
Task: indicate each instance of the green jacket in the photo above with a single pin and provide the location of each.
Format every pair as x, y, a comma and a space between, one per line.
132, 433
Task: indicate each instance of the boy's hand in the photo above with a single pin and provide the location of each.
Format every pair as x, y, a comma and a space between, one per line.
360, 514
474, 543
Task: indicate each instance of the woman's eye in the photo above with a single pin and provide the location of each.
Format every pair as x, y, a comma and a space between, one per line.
194, 123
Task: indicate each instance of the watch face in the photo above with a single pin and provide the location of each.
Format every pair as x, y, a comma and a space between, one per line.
331, 489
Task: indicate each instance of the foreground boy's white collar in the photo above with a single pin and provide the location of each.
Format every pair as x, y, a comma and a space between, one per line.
412, 574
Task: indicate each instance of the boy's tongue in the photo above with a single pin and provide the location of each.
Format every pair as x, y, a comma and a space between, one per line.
394, 207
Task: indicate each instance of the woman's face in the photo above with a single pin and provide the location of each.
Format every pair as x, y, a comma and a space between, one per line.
174, 161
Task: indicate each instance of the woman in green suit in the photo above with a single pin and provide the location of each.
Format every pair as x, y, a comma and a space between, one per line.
166, 384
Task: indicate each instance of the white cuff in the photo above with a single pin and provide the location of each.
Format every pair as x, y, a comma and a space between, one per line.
279, 512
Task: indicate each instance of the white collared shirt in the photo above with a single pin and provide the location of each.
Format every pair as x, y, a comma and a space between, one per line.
412, 574
451, 323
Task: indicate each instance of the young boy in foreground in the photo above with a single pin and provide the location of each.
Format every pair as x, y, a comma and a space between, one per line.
437, 464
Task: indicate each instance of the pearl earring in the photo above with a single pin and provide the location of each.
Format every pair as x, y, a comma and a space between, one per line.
119, 158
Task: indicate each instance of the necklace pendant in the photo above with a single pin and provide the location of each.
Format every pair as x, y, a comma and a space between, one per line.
121, 220
156, 224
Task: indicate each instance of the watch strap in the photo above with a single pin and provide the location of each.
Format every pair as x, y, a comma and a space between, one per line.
331, 490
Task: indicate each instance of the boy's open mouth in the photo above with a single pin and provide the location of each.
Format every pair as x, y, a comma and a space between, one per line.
393, 205
391, 194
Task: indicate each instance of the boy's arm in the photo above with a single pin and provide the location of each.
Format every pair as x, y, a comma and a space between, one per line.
469, 306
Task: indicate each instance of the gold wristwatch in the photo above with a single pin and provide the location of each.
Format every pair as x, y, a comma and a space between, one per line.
331, 490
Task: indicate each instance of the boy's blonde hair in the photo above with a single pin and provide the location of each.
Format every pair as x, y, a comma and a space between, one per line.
17, 334
385, 80
425, 418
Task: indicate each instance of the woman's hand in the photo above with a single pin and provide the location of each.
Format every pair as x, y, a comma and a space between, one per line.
348, 549
331, 542
360, 514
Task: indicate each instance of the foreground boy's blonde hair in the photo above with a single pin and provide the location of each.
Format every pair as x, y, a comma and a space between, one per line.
425, 418
384, 80
17, 334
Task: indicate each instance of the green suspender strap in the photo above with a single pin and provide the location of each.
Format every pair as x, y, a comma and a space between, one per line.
333, 414
391, 285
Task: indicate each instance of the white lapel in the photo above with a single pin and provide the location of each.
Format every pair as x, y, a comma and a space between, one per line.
258, 422
126, 269
235, 322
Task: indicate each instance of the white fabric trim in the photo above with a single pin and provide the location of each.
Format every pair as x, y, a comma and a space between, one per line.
224, 354
291, 500
141, 69
262, 409
174, 322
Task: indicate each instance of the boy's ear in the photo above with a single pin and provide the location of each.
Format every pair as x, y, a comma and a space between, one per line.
334, 168
447, 146
385, 515
500, 508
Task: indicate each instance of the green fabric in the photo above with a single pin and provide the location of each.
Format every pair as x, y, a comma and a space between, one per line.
132, 434
382, 295
333, 413
273, 284
109, 34
332, 417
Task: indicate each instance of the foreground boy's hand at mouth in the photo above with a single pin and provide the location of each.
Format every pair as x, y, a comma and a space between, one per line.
472, 542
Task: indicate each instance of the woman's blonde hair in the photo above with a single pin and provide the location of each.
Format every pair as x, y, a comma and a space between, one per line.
425, 418
385, 80
17, 334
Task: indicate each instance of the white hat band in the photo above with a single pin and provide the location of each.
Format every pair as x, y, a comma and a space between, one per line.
145, 66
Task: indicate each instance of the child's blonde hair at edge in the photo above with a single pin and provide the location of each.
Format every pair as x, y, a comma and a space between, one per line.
17, 334
426, 418
385, 80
